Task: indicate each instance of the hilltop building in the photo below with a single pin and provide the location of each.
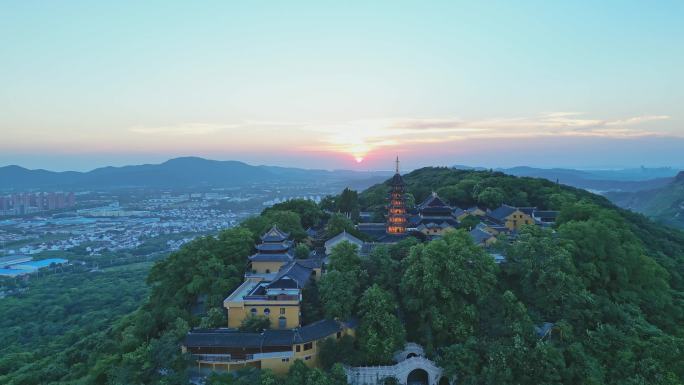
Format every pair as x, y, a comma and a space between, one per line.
229, 349
513, 218
433, 216
339, 238
396, 213
274, 251
510, 218
273, 288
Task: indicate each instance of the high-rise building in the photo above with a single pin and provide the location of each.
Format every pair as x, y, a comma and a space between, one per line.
396, 215
26, 203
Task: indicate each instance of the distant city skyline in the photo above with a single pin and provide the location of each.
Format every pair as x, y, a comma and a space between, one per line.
346, 85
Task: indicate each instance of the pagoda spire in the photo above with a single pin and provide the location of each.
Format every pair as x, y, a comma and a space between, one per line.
397, 213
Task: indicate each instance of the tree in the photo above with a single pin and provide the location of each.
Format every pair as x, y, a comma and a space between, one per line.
308, 211
469, 222
345, 257
297, 374
381, 333
339, 291
382, 269
491, 197
348, 203
441, 286
312, 307
288, 221
455, 195
546, 275
255, 323
333, 351
302, 251
216, 317
317, 377
339, 223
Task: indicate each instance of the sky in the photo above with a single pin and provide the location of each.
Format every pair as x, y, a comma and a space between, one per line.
342, 84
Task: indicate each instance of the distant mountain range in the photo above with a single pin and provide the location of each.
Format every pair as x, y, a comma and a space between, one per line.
597, 180
194, 172
186, 172
665, 204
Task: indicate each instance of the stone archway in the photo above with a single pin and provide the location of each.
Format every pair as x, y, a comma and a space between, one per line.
412, 368
418, 377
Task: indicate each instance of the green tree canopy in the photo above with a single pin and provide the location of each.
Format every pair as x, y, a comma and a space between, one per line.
381, 333
441, 286
308, 211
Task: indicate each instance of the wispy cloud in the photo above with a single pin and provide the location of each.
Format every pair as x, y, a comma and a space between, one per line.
199, 129
363, 136
360, 137
188, 129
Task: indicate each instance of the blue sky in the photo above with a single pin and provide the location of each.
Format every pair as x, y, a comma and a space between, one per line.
343, 84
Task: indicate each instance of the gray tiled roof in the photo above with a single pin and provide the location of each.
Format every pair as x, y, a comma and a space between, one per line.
223, 338
317, 330
275, 235
479, 236
397, 180
502, 212
344, 236
292, 275
432, 201
274, 246
262, 257
231, 338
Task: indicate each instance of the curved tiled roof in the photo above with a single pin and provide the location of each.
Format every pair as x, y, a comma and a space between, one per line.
232, 338
292, 275
275, 235
502, 212
274, 246
279, 257
433, 201
397, 180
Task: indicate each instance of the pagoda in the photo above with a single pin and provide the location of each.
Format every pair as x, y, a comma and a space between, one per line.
396, 215
274, 251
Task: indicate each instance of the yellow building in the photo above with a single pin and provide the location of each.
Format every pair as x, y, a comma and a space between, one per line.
513, 218
228, 349
272, 289
273, 285
277, 298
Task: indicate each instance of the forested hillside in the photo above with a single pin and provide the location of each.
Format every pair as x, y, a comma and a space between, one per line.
610, 281
665, 204
57, 320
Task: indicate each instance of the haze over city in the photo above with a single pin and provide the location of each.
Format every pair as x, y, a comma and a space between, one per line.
350, 85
